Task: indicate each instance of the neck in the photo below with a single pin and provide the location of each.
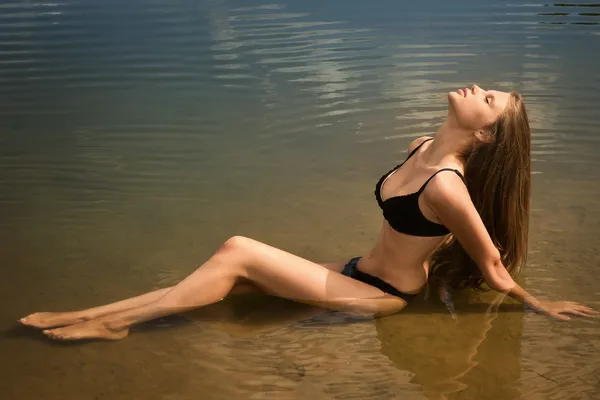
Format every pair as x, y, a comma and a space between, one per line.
448, 143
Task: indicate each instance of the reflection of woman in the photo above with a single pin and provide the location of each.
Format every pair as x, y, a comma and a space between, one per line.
465, 357
486, 137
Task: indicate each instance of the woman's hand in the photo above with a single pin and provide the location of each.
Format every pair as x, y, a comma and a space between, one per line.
556, 309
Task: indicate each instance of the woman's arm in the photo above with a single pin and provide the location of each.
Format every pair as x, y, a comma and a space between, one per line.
448, 197
552, 308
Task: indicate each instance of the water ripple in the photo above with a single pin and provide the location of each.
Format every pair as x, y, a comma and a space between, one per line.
136, 136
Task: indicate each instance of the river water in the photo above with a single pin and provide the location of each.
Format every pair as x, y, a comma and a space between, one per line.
135, 137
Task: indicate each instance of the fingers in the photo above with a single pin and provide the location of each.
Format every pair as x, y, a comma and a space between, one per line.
588, 311
560, 316
580, 313
585, 313
578, 309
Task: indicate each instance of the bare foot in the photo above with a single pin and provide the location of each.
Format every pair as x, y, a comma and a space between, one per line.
93, 329
52, 319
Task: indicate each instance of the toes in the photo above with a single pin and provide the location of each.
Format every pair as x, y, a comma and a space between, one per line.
51, 333
30, 320
57, 334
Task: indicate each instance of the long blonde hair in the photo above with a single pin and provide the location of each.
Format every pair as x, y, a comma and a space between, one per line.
498, 174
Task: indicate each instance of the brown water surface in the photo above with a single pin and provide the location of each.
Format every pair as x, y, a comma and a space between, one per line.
135, 137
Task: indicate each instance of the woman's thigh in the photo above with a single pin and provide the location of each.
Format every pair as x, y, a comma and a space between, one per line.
286, 275
244, 285
334, 266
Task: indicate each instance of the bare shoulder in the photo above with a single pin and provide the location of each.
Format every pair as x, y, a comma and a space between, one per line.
447, 186
417, 142
448, 197
447, 191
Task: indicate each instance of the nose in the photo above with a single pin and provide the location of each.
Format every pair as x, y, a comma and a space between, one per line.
475, 88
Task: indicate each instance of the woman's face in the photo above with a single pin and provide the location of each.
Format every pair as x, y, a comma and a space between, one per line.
473, 109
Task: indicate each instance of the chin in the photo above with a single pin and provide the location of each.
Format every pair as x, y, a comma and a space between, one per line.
452, 99
451, 110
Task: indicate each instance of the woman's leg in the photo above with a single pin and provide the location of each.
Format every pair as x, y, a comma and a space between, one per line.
274, 271
55, 319
52, 319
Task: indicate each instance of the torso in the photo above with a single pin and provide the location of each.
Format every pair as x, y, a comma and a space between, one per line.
400, 259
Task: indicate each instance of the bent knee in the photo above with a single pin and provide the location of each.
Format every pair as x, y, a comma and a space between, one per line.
235, 243
236, 248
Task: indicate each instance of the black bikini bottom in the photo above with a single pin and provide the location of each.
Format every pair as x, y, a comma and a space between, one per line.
353, 272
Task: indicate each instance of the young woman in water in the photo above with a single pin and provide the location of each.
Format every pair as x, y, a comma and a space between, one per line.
456, 211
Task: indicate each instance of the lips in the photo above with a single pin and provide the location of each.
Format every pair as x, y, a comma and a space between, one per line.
463, 92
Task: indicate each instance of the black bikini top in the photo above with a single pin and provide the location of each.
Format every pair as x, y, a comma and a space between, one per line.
403, 212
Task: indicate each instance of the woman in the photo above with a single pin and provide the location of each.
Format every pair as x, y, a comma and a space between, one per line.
486, 137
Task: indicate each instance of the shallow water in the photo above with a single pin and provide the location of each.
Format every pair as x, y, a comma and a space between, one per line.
136, 137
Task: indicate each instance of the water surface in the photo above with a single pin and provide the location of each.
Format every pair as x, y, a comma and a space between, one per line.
135, 137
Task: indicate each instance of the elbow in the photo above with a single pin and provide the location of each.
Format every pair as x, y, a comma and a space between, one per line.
497, 277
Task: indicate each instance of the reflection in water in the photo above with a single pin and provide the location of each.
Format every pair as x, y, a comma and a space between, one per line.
136, 137
337, 355
575, 5
569, 23
571, 14
448, 356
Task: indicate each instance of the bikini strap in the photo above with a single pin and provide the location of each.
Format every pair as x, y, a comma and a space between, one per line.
409, 156
440, 170
417, 148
